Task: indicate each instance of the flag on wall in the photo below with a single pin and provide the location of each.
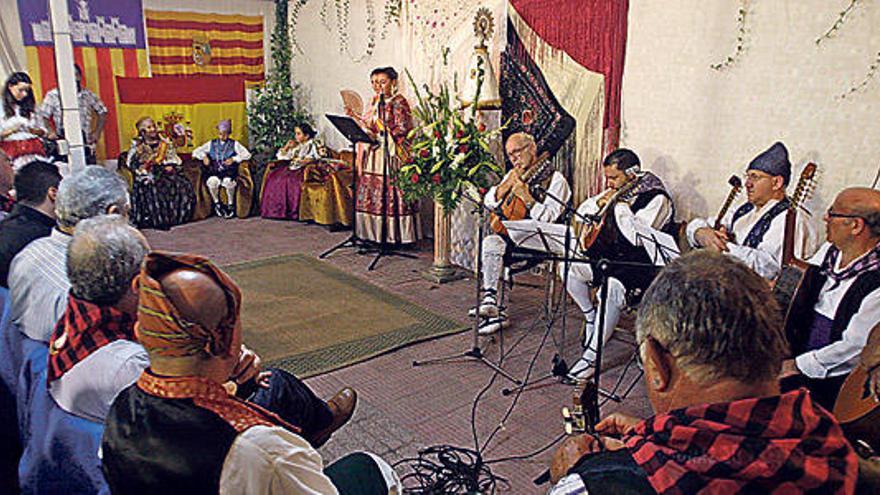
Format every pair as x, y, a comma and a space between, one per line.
186, 108
108, 40
191, 43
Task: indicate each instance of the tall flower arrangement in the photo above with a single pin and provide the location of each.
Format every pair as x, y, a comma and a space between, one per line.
449, 151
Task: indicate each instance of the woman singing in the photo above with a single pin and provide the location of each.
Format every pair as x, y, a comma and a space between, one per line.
387, 120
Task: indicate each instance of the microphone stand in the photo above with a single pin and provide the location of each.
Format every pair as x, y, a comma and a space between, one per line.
475, 353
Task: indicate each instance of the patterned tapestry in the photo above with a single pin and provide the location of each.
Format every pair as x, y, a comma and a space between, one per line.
108, 40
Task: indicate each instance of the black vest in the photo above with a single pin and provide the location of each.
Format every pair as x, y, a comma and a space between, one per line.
635, 279
154, 445
612, 472
797, 327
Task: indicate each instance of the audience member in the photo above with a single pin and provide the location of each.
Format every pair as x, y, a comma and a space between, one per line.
179, 426
33, 216
38, 281
720, 424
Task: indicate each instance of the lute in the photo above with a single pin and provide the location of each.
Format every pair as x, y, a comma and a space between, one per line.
735, 187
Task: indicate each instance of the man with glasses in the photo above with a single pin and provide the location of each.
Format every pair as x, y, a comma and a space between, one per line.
720, 424
840, 298
754, 232
545, 205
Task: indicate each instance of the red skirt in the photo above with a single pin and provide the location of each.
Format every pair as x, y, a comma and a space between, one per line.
14, 149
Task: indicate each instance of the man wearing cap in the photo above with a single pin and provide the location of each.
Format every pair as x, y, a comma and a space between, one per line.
221, 157
179, 426
754, 232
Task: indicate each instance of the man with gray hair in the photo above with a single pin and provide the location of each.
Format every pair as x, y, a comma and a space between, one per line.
712, 345
38, 281
93, 353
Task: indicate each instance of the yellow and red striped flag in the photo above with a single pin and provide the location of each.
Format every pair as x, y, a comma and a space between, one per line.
109, 41
192, 43
193, 104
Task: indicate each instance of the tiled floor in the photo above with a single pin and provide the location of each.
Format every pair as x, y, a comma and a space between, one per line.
403, 408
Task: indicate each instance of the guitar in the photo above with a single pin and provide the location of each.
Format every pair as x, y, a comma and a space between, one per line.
511, 206
603, 232
856, 409
791, 276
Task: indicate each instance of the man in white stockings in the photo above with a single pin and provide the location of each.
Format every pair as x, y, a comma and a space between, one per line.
632, 197
221, 157
544, 192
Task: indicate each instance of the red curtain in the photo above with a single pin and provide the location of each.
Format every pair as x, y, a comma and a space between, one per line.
593, 33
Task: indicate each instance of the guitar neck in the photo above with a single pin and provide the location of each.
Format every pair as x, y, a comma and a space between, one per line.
726, 206
788, 239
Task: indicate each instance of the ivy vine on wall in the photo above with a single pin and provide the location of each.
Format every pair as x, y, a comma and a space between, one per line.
341, 11
740, 38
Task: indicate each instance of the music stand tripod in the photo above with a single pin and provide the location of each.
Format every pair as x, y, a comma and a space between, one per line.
354, 134
475, 352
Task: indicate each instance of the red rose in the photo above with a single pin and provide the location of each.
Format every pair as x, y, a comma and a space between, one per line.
459, 134
437, 134
436, 178
481, 127
414, 178
463, 148
483, 190
425, 153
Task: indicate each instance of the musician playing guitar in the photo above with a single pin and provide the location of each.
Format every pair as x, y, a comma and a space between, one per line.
631, 196
753, 233
518, 185
839, 303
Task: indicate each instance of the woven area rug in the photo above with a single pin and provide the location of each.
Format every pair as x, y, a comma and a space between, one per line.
307, 317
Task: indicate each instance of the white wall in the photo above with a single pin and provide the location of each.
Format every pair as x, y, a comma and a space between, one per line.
697, 126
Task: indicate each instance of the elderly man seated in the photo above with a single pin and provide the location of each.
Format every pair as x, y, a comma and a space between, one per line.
94, 354
38, 282
720, 424
181, 423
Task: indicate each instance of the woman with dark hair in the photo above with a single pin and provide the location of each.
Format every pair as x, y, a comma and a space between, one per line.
20, 129
283, 181
387, 119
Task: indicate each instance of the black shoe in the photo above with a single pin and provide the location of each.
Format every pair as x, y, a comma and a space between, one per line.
219, 211
230, 211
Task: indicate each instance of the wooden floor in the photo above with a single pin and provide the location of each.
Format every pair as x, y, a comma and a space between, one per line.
403, 408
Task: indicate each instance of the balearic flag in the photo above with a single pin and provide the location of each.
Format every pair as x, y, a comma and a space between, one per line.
191, 43
108, 40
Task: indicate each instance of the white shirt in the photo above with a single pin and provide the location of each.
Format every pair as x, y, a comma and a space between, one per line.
241, 153
655, 214
766, 258
272, 460
546, 211
304, 151
38, 285
839, 358
88, 389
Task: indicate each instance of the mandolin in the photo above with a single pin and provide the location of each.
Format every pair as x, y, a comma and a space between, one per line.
513, 207
791, 276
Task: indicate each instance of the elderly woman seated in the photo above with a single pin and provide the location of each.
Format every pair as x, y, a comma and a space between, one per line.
161, 196
306, 185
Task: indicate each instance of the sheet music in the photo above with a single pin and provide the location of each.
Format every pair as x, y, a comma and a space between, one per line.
532, 234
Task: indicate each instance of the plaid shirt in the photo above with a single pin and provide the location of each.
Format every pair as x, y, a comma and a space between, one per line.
84, 328
779, 444
89, 106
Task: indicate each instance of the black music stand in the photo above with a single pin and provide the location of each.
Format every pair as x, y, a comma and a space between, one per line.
354, 134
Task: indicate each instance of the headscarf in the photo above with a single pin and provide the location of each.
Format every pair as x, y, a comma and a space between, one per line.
160, 327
